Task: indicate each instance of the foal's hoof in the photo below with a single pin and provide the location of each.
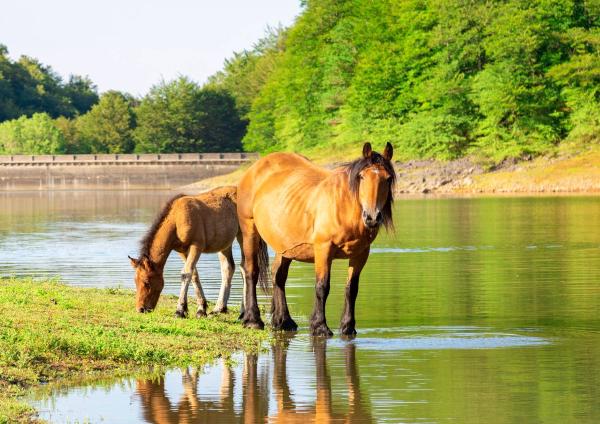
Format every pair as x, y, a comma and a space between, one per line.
256, 325
321, 331
181, 314
286, 324
200, 314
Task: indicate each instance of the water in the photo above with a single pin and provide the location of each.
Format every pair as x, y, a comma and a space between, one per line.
480, 310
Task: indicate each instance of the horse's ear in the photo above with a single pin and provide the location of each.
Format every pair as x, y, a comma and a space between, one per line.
389, 151
134, 261
147, 263
367, 150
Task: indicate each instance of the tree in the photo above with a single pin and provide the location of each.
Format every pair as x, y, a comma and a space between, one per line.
82, 93
36, 135
27, 86
108, 126
179, 116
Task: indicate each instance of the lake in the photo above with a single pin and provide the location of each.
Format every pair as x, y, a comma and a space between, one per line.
475, 310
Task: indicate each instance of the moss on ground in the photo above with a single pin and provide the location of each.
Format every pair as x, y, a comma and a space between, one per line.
50, 331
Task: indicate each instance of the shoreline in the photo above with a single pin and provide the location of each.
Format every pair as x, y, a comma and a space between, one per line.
96, 332
567, 174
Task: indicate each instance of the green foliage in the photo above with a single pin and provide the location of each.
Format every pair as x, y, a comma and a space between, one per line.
27, 87
246, 72
35, 135
108, 126
180, 116
438, 78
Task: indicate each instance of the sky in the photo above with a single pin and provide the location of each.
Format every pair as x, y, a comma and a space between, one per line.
130, 45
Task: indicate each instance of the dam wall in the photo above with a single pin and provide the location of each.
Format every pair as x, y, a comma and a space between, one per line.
115, 171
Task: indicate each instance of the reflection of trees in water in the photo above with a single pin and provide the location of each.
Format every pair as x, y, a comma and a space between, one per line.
158, 408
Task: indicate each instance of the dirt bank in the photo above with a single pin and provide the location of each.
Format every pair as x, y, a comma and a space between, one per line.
573, 173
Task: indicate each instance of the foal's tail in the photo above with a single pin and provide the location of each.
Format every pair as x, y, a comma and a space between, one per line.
264, 274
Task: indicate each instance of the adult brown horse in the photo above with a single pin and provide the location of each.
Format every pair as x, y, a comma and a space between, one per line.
310, 214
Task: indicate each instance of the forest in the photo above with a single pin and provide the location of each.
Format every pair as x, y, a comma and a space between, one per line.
437, 78
41, 114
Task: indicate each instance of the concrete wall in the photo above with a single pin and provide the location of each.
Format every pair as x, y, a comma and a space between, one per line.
148, 171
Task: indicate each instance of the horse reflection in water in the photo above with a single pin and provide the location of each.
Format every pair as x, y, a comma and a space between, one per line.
254, 403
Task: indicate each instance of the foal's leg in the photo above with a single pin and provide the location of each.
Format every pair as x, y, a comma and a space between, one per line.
200, 298
347, 325
182, 307
186, 277
323, 259
227, 268
280, 314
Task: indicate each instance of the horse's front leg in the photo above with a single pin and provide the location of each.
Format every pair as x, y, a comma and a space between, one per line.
202, 304
348, 322
318, 322
186, 278
280, 314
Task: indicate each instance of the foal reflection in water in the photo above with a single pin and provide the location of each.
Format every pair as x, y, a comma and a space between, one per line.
190, 225
158, 408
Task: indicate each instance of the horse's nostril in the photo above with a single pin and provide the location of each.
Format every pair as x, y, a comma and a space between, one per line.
379, 217
141, 310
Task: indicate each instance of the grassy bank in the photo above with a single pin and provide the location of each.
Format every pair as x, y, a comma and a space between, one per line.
50, 331
576, 173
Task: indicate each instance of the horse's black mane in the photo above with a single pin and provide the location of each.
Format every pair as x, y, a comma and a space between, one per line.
146, 241
354, 169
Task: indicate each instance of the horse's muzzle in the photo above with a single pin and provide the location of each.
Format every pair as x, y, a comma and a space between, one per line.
372, 220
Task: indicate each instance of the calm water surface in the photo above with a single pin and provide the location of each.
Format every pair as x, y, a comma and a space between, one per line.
473, 311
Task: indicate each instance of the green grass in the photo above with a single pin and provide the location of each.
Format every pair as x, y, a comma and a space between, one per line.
50, 331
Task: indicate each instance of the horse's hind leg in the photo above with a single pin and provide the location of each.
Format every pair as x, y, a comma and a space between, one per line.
227, 268
242, 264
251, 244
186, 277
280, 314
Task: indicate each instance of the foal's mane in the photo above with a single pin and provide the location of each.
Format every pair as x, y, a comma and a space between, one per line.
354, 169
147, 240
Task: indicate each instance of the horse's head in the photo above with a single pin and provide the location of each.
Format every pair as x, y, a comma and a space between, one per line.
372, 179
149, 282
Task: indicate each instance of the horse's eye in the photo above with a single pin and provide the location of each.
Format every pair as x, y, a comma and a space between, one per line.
361, 176
146, 282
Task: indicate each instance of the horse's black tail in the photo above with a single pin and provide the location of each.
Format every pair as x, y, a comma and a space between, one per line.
264, 273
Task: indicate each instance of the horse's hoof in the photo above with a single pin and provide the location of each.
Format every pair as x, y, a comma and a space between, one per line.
347, 331
321, 331
180, 314
287, 324
240, 316
219, 311
200, 314
256, 325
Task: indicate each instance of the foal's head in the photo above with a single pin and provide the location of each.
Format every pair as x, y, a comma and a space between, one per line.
149, 282
372, 179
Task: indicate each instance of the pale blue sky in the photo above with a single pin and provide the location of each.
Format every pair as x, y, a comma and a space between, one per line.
130, 45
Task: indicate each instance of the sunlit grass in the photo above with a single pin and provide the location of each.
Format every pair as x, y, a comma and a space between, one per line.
49, 331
